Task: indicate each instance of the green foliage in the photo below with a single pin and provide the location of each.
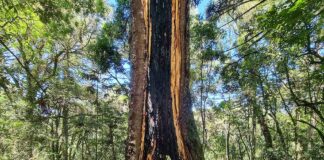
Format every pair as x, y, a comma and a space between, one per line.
49, 109
267, 94
105, 53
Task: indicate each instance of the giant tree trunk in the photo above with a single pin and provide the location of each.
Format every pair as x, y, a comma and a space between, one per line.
160, 119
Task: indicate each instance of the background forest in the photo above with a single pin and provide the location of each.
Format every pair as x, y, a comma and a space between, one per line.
257, 78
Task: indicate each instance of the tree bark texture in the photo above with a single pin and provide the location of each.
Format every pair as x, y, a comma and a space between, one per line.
161, 122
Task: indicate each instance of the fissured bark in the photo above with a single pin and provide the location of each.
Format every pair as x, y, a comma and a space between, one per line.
161, 122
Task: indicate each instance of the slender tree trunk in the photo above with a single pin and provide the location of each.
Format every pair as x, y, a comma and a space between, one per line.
82, 149
57, 138
246, 148
227, 142
281, 136
65, 114
65, 132
253, 132
239, 148
203, 100
112, 143
202, 109
160, 119
297, 145
52, 142
267, 136
97, 119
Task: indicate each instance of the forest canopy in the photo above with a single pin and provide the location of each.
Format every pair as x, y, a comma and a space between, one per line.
173, 79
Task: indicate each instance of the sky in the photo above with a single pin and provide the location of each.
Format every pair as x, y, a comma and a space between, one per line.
202, 6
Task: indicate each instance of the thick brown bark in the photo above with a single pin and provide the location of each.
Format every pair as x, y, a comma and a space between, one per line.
139, 57
160, 118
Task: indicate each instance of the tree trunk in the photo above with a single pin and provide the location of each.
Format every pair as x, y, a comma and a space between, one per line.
65, 132
160, 118
267, 136
112, 143
65, 114
253, 148
227, 141
281, 136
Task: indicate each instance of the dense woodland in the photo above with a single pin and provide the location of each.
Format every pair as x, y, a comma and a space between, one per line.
168, 79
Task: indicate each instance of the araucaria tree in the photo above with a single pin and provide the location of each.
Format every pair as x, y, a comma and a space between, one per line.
160, 119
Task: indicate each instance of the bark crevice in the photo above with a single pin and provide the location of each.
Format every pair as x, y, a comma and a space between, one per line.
160, 122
